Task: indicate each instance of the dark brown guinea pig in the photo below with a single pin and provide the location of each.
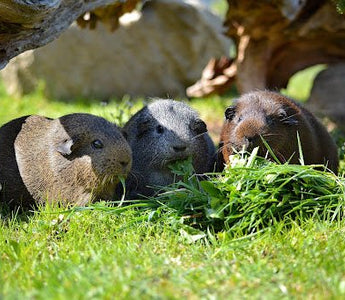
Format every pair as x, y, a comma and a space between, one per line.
74, 159
276, 119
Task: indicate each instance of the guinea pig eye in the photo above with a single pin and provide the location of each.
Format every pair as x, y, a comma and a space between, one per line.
160, 129
230, 112
288, 116
282, 114
97, 144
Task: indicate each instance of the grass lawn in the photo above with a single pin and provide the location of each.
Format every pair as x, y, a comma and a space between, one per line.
95, 254
241, 235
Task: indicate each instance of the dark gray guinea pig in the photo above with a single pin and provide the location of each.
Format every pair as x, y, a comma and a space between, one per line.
161, 133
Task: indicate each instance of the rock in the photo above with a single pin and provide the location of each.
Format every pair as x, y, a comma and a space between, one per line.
159, 53
327, 97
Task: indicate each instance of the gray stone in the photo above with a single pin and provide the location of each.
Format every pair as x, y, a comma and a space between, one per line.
327, 97
158, 53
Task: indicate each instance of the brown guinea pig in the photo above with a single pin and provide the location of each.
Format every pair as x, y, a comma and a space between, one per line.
73, 159
276, 119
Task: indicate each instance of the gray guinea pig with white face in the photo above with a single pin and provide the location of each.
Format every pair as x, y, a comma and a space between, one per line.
161, 133
74, 159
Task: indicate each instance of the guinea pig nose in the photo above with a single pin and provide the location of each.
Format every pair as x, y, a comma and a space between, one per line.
179, 148
124, 164
251, 139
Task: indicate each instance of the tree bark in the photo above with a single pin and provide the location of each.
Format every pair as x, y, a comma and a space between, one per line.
28, 24
275, 39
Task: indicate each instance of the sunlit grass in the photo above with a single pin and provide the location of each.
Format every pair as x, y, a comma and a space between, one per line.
257, 230
117, 110
300, 84
195, 241
219, 7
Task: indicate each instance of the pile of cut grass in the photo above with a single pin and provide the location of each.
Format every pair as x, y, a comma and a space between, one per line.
256, 194
249, 196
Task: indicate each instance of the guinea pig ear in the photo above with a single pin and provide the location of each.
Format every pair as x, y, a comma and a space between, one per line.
142, 128
198, 126
65, 147
230, 112
124, 133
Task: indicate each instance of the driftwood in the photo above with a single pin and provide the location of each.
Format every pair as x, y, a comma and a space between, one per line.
275, 39
216, 78
28, 24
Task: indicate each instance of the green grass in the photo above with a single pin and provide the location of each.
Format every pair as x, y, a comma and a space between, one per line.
240, 235
36, 103
103, 251
300, 84
219, 7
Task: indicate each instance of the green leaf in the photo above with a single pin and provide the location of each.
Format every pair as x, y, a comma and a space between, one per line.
209, 188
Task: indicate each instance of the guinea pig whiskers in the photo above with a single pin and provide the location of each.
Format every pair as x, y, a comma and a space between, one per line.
199, 135
271, 134
166, 162
287, 119
225, 145
281, 157
105, 179
135, 175
154, 159
290, 116
220, 149
268, 135
163, 163
109, 179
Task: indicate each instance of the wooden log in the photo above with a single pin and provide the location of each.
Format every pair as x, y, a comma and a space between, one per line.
275, 39
26, 13
28, 24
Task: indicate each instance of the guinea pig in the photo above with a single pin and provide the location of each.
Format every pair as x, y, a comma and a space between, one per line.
161, 133
74, 159
276, 119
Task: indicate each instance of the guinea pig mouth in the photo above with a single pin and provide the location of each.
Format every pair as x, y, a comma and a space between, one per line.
168, 161
106, 187
106, 193
108, 181
248, 144
239, 148
262, 152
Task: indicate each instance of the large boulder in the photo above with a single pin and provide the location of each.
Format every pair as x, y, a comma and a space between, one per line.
157, 52
327, 97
